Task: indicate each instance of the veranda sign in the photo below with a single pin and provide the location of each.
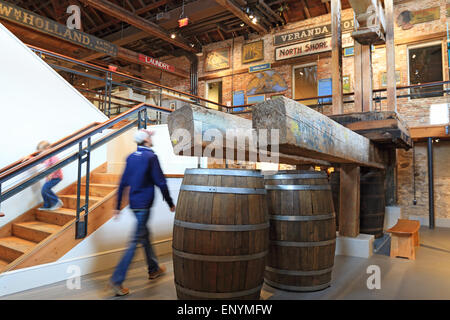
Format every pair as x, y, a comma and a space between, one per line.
310, 33
29, 19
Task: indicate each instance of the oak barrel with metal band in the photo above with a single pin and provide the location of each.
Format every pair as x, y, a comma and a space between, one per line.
302, 231
220, 234
372, 202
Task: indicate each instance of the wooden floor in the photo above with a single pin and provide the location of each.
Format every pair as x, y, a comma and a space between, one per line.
428, 277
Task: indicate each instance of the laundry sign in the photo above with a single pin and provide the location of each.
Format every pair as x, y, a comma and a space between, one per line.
156, 63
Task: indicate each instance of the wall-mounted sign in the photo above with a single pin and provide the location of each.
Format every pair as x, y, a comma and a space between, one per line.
267, 81
346, 84
259, 67
303, 49
325, 88
217, 60
310, 33
407, 19
238, 100
156, 63
348, 52
253, 51
30, 19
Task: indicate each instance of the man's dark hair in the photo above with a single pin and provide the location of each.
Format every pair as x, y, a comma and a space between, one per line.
141, 144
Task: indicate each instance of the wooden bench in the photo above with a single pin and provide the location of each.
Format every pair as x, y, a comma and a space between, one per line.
405, 237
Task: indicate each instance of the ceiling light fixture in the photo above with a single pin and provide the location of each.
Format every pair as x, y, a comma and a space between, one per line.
251, 16
242, 24
173, 35
255, 20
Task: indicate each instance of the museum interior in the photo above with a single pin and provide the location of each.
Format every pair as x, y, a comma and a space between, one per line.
305, 145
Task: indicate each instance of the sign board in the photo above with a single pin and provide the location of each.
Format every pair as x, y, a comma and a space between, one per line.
156, 63
318, 32
325, 89
259, 67
302, 49
30, 19
238, 100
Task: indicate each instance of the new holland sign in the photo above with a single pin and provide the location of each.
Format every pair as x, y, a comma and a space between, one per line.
29, 19
310, 33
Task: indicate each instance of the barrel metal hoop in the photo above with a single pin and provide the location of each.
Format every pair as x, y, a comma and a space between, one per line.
202, 257
311, 187
302, 218
303, 244
296, 288
213, 189
221, 227
298, 272
222, 172
218, 295
295, 176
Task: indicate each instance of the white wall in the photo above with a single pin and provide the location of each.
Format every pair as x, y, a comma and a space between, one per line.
36, 104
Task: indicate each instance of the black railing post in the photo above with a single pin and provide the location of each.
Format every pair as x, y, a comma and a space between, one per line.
79, 225
145, 118
83, 156
430, 183
88, 171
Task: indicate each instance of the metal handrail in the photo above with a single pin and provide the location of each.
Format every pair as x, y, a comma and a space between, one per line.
120, 74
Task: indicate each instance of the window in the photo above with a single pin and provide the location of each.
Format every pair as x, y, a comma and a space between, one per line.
305, 83
425, 65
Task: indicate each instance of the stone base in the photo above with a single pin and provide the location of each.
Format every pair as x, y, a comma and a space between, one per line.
360, 246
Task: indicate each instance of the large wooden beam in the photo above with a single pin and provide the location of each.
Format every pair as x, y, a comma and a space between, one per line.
349, 201
308, 133
199, 122
230, 6
124, 15
390, 56
336, 57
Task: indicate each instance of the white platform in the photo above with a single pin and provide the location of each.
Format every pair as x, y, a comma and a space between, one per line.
392, 214
438, 222
360, 246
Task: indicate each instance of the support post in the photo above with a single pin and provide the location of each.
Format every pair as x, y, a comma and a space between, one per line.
336, 57
390, 56
430, 183
366, 74
349, 201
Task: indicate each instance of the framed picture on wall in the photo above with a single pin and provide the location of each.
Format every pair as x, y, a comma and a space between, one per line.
217, 59
256, 99
383, 78
253, 51
346, 87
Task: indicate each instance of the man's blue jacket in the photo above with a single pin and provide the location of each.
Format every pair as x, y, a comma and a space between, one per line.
142, 173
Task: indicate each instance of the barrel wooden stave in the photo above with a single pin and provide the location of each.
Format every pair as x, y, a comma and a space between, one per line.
305, 261
211, 277
372, 206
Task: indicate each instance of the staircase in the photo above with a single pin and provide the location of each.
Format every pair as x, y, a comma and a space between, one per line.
38, 237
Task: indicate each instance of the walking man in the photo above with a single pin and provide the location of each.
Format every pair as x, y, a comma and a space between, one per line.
142, 173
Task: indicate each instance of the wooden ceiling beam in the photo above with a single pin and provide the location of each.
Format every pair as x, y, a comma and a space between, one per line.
306, 9
230, 6
149, 27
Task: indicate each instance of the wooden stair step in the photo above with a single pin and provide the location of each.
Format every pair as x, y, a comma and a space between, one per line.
3, 263
70, 200
98, 189
59, 217
12, 248
105, 178
34, 230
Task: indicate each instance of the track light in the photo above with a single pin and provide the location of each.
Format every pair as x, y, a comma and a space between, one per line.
173, 35
251, 16
255, 20
242, 24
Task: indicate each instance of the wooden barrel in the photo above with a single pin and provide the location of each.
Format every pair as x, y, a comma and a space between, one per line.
372, 202
220, 234
335, 183
302, 231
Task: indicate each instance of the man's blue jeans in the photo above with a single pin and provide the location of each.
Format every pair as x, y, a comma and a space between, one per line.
50, 198
142, 236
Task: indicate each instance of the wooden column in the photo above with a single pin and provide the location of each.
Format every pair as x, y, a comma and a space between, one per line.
336, 57
363, 77
366, 60
349, 201
390, 56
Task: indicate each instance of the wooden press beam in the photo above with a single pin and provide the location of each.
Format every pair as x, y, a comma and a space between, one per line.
363, 77
390, 56
198, 120
151, 28
349, 200
308, 133
336, 57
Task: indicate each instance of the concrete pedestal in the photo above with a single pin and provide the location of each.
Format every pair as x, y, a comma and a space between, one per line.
360, 246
